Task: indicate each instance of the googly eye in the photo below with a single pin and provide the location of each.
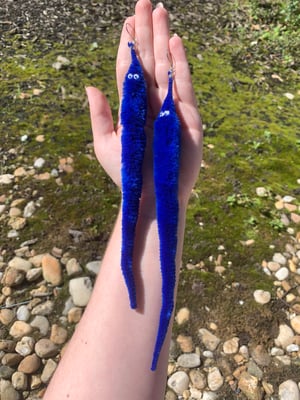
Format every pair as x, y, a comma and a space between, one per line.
161, 114
129, 76
167, 112
136, 76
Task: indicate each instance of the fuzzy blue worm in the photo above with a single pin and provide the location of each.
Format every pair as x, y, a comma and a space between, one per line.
133, 140
166, 150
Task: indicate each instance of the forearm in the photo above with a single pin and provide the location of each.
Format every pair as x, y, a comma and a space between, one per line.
110, 353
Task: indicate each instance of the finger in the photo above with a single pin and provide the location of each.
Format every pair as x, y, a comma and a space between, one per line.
101, 116
144, 37
183, 82
161, 39
123, 56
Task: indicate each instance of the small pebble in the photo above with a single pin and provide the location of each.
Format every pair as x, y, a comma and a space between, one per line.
189, 360
214, 379
262, 296
182, 316
179, 382
289, 390
80, 289
282, 274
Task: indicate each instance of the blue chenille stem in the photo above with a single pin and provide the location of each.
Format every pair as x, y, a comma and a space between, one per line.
133, 140
166, 149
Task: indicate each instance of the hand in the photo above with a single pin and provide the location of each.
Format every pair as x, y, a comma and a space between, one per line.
151, 29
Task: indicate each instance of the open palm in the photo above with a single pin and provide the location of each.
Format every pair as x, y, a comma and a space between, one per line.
153, 45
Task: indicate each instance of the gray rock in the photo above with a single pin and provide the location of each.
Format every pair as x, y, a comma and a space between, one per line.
93, 267
41, 323
45, 348
189, 360
6, 372
23, 314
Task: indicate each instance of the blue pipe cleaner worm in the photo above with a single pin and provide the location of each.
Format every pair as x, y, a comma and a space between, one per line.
133, 139
166, 150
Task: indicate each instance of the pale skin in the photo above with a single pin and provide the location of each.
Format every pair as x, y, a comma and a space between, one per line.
110, 353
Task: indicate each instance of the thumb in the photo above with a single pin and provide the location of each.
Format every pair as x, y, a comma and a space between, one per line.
100, 112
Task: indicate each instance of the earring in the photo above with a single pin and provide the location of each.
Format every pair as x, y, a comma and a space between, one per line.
166, 150
133, 140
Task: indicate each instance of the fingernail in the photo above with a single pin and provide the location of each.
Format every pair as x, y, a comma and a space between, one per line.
160, 5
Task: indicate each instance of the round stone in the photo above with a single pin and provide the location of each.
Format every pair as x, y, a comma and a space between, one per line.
179, 382
20, 329
285, 336
6, 316
80, 290
279, 258
52, 271
11, 359
23, 314
273, 266
29, 364
189, 360
45, 348
262, 296
182, 316
288, 390
282, 274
